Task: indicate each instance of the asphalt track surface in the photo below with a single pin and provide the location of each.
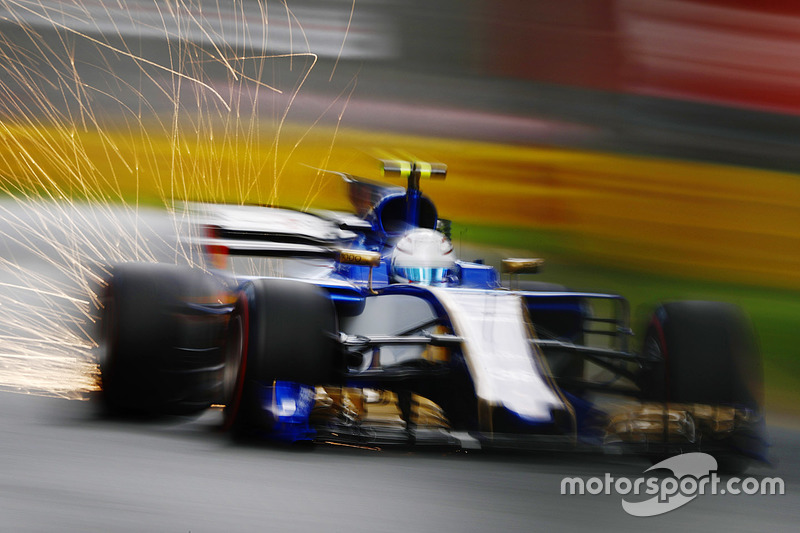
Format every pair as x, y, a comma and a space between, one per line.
63, 467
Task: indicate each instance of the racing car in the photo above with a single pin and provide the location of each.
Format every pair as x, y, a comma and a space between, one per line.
363, 327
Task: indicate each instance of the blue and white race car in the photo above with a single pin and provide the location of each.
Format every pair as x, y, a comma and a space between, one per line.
364, 328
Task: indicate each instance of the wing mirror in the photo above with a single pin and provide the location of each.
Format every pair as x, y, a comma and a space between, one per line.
361, 258
515, 266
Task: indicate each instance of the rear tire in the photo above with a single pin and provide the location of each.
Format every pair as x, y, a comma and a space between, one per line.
290, 333
143, 369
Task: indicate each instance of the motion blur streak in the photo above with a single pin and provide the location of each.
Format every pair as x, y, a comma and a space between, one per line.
141, 102
113, 112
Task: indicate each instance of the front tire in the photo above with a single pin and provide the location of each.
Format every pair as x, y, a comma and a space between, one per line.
289, 334
705, 354
708, 355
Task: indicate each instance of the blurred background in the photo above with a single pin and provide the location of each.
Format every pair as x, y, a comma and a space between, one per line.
614, 137
645, 147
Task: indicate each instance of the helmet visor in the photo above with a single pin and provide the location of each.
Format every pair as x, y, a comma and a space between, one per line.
423, 276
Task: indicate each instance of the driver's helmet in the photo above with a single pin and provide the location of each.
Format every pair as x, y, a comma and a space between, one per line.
423, 256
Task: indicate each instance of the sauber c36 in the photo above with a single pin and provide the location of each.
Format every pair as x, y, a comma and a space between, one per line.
364, 328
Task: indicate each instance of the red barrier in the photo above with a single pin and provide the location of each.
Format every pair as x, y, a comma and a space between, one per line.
571, 42
730, 52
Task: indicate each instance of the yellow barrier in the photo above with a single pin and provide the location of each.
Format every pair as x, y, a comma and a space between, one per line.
694, 219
